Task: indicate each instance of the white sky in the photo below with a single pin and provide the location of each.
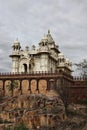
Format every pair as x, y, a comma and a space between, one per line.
28, 20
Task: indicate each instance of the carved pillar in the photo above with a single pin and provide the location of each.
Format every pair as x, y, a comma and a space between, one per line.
47, 84
12, 87
29, 87
55, 84
59, 85
37, 85
68, 90
61, 82
3, 84
20, 86
52, 84
3, 88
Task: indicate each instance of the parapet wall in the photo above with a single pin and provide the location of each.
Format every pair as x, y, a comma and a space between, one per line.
41, 82
36, 81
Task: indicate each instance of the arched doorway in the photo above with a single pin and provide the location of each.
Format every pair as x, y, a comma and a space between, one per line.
25, 86
25, 68
42, 86
33, 86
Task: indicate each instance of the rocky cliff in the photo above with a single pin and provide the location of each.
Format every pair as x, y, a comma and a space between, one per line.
42, 111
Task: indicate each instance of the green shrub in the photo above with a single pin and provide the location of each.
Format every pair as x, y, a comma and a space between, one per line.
84, 102
21, 126
1, 121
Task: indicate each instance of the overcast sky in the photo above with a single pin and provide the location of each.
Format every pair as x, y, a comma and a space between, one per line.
28, 20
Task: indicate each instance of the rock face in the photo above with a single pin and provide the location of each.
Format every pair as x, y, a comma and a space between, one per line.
42, 111
35, 110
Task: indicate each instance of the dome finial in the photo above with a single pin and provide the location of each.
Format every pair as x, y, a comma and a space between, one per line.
16, 38
48, 31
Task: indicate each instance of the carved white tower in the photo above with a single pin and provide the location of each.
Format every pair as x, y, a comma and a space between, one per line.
15, 56
46, 57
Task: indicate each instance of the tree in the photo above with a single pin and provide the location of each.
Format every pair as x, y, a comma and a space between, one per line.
82, 67
11, 86
21, 126
8, 128
64, 95
62, 89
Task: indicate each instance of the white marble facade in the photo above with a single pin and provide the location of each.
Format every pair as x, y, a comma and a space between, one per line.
46, 57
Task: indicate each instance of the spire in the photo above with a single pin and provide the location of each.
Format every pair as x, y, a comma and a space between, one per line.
17, 39
16, 45
48, 31
49, 37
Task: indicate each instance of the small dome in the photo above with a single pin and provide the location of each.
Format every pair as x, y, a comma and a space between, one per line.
47, 39
33, 47
16, 44
61, 55
27, 48
67, 60
44, 39
68, 63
